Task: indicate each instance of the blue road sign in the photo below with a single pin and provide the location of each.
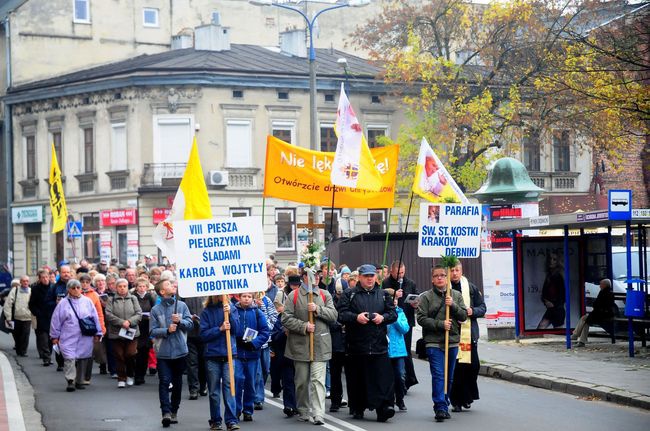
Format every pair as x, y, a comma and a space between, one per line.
75, 229
620, 204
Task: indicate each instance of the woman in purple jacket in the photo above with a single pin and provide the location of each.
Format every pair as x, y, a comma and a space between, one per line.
76, 348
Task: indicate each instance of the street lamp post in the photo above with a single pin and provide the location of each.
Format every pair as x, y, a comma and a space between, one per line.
313, 120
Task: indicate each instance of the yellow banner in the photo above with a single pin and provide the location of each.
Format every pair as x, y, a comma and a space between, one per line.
300, 175
57, 199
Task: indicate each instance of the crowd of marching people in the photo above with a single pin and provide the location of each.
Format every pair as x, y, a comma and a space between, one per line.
307, 331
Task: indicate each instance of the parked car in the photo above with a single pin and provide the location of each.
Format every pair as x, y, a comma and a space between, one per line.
619, 271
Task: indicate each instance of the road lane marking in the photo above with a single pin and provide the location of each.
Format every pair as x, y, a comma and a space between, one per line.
327, 417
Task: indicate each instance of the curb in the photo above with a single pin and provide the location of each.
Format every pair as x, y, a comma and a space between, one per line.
14, 409
568, 386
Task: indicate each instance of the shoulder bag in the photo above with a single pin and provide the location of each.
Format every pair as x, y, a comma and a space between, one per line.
87, 324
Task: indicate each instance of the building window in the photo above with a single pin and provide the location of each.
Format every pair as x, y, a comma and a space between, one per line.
90, 236
33, 247
283, 95
82, 11
118, 147
57, 139
30, 157
376, 221
330, 226
531, 154
329, 97
284, 130
89, 151
285, 223
327, 138
237, 94
240, 212
150, 17
239, 144
375, 98
561, 151
373, 134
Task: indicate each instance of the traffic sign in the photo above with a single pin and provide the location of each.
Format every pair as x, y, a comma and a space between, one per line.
620, 204
75, 229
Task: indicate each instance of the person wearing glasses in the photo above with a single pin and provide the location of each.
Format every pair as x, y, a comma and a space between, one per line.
76, 348
431, 317
366, 310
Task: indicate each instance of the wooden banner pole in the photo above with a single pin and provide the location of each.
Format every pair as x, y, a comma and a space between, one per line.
231, 368
447, 294
311, 320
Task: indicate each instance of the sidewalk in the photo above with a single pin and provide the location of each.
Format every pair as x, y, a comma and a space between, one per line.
11, 413
600, 370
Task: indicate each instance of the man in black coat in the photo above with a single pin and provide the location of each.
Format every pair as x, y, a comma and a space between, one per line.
604, 309
39, 308
404, 287
366, 310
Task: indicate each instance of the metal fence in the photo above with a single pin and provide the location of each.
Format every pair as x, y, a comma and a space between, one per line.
369, 248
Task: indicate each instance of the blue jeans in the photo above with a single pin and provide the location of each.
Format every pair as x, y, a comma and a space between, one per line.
245, 373
437, 366
170, 371
399, 374
262, 374
219, 380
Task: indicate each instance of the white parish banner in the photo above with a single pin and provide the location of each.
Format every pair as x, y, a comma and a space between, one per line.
449, 229
220, 256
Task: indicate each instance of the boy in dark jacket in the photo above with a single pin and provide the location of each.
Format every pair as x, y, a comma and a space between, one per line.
252, 333
213, 334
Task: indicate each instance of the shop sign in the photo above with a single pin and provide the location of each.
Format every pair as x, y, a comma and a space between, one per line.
160, 214
119, 217
33, 214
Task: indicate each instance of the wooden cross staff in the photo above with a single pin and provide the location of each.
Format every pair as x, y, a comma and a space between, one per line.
311, 225
311, 280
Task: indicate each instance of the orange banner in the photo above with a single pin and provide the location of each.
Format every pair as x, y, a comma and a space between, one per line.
300, 175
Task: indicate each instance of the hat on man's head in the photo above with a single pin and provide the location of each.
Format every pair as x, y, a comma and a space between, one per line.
367, 269
295, 279
345, 270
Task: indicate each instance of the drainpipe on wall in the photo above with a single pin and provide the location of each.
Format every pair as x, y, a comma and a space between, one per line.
8, 145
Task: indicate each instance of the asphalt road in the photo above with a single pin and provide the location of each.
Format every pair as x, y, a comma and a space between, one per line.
503, 406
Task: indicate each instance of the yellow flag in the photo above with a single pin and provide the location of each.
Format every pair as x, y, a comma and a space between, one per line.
432, 180
191, 203
57, 199
194, 190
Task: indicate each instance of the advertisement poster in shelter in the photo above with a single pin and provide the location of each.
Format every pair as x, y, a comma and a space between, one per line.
542, 291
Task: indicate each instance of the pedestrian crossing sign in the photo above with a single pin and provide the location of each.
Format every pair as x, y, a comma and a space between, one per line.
74, 229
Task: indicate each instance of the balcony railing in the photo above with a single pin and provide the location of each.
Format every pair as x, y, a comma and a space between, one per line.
162, 174
555, 181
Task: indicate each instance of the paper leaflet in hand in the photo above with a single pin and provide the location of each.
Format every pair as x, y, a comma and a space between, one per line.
249, 334
128, 333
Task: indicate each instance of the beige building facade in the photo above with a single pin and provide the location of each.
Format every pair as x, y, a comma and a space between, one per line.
123, 132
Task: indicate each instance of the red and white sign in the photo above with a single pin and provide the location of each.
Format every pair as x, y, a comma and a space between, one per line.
160, 214
119, 217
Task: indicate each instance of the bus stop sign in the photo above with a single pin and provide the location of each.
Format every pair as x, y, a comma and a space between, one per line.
620, 204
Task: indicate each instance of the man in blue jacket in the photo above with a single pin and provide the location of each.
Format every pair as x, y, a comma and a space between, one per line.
252, 333
170, 321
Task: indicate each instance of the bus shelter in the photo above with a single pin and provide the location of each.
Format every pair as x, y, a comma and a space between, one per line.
566, 263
